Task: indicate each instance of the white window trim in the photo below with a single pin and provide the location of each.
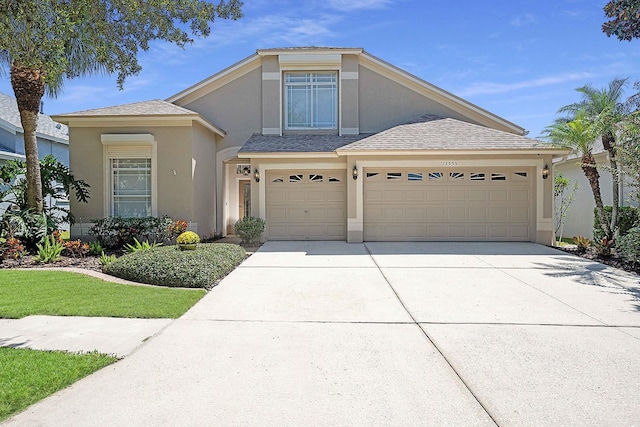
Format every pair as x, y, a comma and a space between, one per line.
124, 146
285, 99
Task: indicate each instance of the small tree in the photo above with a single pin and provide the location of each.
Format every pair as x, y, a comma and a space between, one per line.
564, 191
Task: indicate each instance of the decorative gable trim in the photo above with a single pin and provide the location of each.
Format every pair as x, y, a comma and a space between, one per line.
310, 61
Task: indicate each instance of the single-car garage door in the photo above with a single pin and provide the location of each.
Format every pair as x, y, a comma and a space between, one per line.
306, 205
448, 204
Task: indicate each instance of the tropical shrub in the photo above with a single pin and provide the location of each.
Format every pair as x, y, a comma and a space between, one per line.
582, 243
30, 228
628, 246
12, 248
604, 246
116, 232
188, 238
627, 218
177, 228
75, 248
57, 183
49, 251
250, 229
169, 266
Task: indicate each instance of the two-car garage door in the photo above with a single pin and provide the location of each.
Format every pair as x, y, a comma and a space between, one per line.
404, 204
448, 204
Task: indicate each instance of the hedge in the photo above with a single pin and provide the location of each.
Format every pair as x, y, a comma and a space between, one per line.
169, 266
627, 219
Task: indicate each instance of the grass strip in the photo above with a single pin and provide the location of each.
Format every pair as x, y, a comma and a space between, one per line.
60, 293
27, 376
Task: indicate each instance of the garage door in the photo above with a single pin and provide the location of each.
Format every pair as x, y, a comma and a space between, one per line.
306, 205
448, 204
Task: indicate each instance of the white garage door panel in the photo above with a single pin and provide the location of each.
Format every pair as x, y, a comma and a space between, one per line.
448, 204
306, 205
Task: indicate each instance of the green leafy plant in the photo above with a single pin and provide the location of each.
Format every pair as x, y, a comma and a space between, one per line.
140, 246
250, 229
57, 184
629, 246
188, 238
582, 243
169, 266
30, 228
49, 251
106, 259
628, 216
95, 248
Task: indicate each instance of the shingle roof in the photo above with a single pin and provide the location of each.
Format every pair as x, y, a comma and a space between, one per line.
436, 133
297, 143
46, 126
155, 107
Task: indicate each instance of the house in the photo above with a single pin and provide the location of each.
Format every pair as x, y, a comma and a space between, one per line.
580, 216
52, 137
322, 143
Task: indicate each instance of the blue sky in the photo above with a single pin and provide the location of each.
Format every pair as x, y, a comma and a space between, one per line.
521, 60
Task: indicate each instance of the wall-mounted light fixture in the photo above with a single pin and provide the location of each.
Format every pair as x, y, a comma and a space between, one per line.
256, 175
354, 172
545, 172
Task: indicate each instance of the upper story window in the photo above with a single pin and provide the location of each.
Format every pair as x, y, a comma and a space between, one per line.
311, 100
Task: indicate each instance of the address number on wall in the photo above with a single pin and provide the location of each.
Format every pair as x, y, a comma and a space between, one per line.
449, 163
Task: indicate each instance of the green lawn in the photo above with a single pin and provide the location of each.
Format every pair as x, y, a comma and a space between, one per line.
27, 376
59, 293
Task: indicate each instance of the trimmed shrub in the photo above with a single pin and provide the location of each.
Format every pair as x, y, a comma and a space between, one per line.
250, 229
188, 238
629, 246
169, 266
627, 219
115, 232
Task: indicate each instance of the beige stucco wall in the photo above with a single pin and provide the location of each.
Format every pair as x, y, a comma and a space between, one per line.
175, 192
204, 176
385, 103
235, 107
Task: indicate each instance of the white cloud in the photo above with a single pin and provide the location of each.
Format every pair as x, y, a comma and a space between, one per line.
522, 20
489, 88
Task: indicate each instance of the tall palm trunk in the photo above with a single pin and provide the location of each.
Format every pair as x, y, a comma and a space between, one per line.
609, 142
28, 86
593, 176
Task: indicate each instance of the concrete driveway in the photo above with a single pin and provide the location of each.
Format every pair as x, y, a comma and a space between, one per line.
323, 333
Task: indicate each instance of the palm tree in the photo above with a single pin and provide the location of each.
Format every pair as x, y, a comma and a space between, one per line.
42, 42
580, 134
606, 106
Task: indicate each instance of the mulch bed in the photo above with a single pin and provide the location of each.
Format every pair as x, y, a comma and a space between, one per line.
89, 263
612, 260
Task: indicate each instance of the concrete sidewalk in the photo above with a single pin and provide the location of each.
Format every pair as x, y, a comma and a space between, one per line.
108, 335
329, 333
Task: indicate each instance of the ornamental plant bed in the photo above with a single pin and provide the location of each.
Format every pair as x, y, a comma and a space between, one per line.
611, 260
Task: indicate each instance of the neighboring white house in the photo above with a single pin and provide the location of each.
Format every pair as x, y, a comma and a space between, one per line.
53, 137
579, 219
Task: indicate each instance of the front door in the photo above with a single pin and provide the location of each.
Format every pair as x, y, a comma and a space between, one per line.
244, 198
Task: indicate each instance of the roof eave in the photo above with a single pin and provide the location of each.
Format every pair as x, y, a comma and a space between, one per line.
287, 154
439, 152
